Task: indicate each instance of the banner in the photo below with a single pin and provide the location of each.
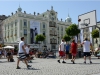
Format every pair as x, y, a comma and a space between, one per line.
34, 30
81, 35
90, 29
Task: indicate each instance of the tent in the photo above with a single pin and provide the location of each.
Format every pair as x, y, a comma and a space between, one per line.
8, 47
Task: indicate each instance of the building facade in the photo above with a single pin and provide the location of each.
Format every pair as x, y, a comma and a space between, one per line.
18, 25
2, 17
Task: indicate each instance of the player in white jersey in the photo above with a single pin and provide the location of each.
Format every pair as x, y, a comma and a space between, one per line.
86, 49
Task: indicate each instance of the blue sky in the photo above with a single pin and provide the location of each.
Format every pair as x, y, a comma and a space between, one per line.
75, 7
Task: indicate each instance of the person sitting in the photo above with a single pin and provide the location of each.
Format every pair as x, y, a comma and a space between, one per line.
51, 54
9, 56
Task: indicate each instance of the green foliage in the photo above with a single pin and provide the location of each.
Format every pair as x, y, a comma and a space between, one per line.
95, 33
67, 38
40, 37
72, 30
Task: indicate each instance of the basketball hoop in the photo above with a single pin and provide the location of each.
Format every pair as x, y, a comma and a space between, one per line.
84, 24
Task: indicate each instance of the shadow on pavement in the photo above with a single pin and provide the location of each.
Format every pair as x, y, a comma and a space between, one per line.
31, 69
83, 63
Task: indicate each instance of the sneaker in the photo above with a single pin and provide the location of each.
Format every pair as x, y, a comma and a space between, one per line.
58, 61
28, 66
90, 62
84, 62
63, 62
18, 67
30, 61
73, 62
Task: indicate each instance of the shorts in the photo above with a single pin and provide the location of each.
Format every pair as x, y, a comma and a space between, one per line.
61, 53
67, 52
73, 54
22, 56
87, 54
27, 55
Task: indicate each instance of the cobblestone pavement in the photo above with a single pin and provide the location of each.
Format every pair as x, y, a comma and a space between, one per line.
51, 67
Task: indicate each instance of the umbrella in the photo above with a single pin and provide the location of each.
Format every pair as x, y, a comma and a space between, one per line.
9, 47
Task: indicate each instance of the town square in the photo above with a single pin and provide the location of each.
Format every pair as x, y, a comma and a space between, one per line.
49, 37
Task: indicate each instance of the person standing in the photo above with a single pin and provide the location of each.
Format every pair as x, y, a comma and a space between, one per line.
22, 54
86, 49
73, 51
27, 51
67, 47
62, 51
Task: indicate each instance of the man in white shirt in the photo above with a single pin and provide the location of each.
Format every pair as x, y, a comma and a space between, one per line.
62, 51
86, 49
22, 54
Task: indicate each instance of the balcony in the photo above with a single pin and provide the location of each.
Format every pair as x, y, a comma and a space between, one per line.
52, 24
53, 41
52, 33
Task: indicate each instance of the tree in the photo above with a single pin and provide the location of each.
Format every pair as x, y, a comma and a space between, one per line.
40, 37
72, 30
67, 38
95, 33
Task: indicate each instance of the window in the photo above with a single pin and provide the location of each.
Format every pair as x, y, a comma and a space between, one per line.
11, 32
15, 23
15, 31
25, 24
25, 31
11, 25
58, 28
61, 28
44, 33
50, 40
53, 46
43, 25
5, 27
8, 26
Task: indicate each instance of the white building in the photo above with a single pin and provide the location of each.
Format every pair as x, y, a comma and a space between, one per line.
18, 25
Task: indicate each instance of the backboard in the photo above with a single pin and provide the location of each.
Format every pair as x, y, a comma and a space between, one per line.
87, 19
